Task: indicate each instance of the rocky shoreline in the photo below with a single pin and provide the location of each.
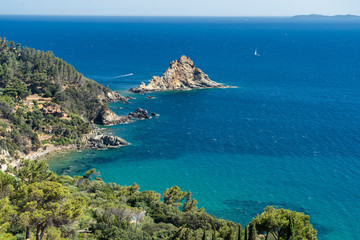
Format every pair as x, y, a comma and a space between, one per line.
110, 118
98, 139
180, 75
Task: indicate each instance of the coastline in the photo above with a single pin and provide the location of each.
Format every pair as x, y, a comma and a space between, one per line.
92, 140
42, 154
51, 150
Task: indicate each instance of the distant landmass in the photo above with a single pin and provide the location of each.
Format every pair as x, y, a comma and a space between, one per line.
326, 17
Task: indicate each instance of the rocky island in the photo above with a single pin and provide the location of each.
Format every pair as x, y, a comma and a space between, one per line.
180, 75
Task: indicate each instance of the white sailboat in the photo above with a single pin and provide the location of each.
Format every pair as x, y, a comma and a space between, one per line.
256, 53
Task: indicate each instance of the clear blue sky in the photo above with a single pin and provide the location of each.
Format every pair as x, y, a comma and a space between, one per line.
179, 7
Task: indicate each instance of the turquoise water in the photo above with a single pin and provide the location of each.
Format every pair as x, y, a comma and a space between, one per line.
287, 136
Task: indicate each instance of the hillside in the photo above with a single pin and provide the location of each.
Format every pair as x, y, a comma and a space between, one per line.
38, 204
42, 102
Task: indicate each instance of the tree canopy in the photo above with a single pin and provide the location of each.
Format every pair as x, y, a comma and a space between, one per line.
276, 222
58, 110
37, 204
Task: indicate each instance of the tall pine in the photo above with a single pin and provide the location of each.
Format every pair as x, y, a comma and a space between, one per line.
291, 232
246, 233
252, 231
204, 235
239, 233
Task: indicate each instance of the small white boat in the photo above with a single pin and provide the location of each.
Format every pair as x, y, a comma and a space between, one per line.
256, 53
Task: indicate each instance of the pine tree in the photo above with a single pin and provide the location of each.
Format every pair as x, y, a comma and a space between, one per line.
252, 231
204, 235
229, 235
239, 233
214, 235
291, 230
246, 233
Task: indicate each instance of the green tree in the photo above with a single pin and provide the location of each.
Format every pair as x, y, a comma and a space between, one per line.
291, 230
174, 196
229, 235
7, 183
7, 214
53, 233
246, 233
239, 232
204, 235
42, 204
31, 171
17, 89
275, 222
190, 204
252, 231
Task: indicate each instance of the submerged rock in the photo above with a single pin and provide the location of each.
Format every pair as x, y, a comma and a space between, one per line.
180, 75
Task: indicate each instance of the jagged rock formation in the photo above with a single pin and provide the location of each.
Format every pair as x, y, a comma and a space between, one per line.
105, 141
139, 114
110, 118
180, 75
113, 96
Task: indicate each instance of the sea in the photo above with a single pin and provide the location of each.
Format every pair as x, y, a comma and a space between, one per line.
287, 136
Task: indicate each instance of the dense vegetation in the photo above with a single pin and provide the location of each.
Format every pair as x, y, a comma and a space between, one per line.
41, 94
38, 204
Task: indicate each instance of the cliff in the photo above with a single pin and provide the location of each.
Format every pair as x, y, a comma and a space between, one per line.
180, 75
45, 102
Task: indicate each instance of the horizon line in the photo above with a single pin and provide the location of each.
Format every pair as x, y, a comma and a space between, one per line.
63, 15
176, 16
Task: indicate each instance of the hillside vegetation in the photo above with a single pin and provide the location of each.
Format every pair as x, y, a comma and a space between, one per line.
42, 101
38, 204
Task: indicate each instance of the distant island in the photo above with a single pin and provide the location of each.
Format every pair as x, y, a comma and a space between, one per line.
326, 17
180, 75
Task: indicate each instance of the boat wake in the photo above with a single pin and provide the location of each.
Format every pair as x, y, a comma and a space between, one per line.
125, 75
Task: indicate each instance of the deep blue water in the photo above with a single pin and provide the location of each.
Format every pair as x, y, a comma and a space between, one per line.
287, 136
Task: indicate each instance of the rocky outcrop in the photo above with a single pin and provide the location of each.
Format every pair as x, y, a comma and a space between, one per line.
113, 96
139, 114
110, 118
105, 141
180, 75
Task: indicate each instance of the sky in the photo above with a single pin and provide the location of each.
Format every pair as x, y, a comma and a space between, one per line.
179, 7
